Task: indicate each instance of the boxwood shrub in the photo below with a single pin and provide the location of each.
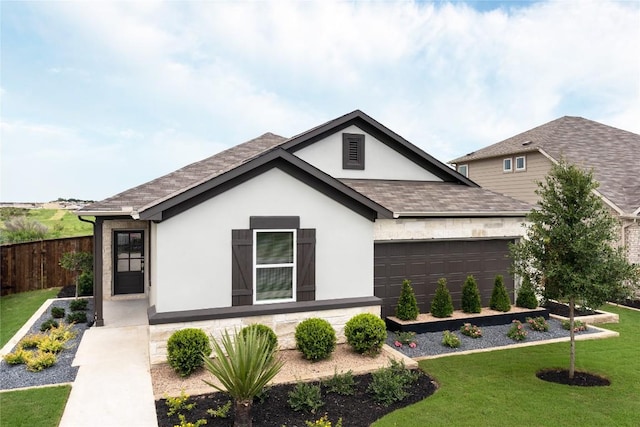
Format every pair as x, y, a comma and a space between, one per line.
272, 338
366, 333
315, 338
185, 349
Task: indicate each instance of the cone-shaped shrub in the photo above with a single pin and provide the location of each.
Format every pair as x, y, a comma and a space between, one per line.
526, 296
471, 296
499, 297
442, 306
407, 308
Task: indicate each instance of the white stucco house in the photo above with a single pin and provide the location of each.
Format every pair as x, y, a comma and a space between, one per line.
327, 223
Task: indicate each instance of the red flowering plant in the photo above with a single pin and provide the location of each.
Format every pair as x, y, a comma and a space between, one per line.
577, 325
470, 330
405, 338
538, 324
517, 332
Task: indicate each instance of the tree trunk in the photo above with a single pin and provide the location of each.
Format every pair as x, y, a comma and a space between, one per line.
572, 338
243, 414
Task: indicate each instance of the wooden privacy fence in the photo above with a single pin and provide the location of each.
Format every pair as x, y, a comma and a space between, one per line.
36, 265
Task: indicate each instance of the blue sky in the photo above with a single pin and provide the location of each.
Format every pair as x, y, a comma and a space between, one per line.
97, 97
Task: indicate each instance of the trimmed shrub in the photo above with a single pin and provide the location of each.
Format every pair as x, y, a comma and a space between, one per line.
499, 297
78, 304
526, 296
407, 308
85, 284
260, 329
315, 338
185, 349
471, 296
442, 305
57, 312
48, 324
366, 333
77, 317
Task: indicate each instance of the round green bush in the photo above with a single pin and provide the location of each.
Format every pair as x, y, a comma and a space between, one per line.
315, 338
57, 312
77, 317
526, 296
185, 349
260, 329
499, 297
407, 308
366, 333
48, 324
471, 296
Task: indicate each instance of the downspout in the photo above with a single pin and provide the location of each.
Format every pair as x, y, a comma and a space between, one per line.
97, 269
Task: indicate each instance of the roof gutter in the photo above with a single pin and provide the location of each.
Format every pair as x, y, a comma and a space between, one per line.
462, 214
126, 211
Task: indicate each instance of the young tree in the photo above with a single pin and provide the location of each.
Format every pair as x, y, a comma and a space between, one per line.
568, 253
77, 263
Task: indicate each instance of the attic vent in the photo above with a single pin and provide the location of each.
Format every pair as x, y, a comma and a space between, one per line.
352, 151
526, 143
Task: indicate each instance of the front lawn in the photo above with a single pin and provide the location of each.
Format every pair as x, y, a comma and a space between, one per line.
499, 388
16, 309
42, 407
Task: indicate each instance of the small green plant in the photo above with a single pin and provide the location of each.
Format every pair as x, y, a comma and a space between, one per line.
78, 304
48, 324
391, 384
305, 397
57, 312
366, 333
18, 357
449, 339
185, 349
578, 325
442, 305
407, 308
272, 338
30, 341
221, 412
185, 423
516, 331
538, 324
178, 404
315, 338
526, 295
40, 360
405, 338
500, 297
77, 317
63, 332
85, 284
342, 384
323, 422
471, 296
50, 345
470, 330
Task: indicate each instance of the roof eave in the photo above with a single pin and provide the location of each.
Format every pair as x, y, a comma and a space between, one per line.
460, 214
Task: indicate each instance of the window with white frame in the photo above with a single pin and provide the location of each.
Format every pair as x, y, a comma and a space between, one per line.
521, 163
463, 170
274, 265
507, 165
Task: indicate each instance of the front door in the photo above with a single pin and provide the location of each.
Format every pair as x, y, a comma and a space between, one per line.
128, 263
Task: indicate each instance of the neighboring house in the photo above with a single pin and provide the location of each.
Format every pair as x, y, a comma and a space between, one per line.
327, 223
513, 166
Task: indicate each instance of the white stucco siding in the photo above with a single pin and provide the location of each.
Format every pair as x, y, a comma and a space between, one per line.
448, 228
193, 249
380, 162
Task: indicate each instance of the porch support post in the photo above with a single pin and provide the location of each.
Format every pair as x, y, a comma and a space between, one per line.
97, 271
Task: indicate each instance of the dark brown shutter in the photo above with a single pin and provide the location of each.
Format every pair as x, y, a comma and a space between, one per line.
242, 267
306, 274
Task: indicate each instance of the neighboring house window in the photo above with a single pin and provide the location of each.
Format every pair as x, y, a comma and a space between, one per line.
352, 151
274, 266
464, 170
507, 166
266, 273
521, 163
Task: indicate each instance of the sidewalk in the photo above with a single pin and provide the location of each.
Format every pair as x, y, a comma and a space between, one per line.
113, 385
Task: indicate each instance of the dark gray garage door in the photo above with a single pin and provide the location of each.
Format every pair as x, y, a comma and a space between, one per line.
425, 262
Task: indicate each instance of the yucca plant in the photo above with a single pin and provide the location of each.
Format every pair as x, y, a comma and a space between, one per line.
244, 365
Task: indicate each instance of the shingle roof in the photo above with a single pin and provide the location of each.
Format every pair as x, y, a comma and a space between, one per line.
436, 197
612, 153
179, 181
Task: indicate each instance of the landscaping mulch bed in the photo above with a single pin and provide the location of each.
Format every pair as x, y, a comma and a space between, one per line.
563, 310
633, 303
582, 379
358, 409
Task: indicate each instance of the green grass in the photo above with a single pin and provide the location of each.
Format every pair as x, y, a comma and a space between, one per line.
42, 407
500, 388
65, 221
16, 309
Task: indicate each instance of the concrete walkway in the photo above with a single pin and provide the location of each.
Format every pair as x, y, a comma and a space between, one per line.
113, 385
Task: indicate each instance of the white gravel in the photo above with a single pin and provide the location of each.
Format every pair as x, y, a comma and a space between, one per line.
17, 376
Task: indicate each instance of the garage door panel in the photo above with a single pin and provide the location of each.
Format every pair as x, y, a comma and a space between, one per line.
425, 262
